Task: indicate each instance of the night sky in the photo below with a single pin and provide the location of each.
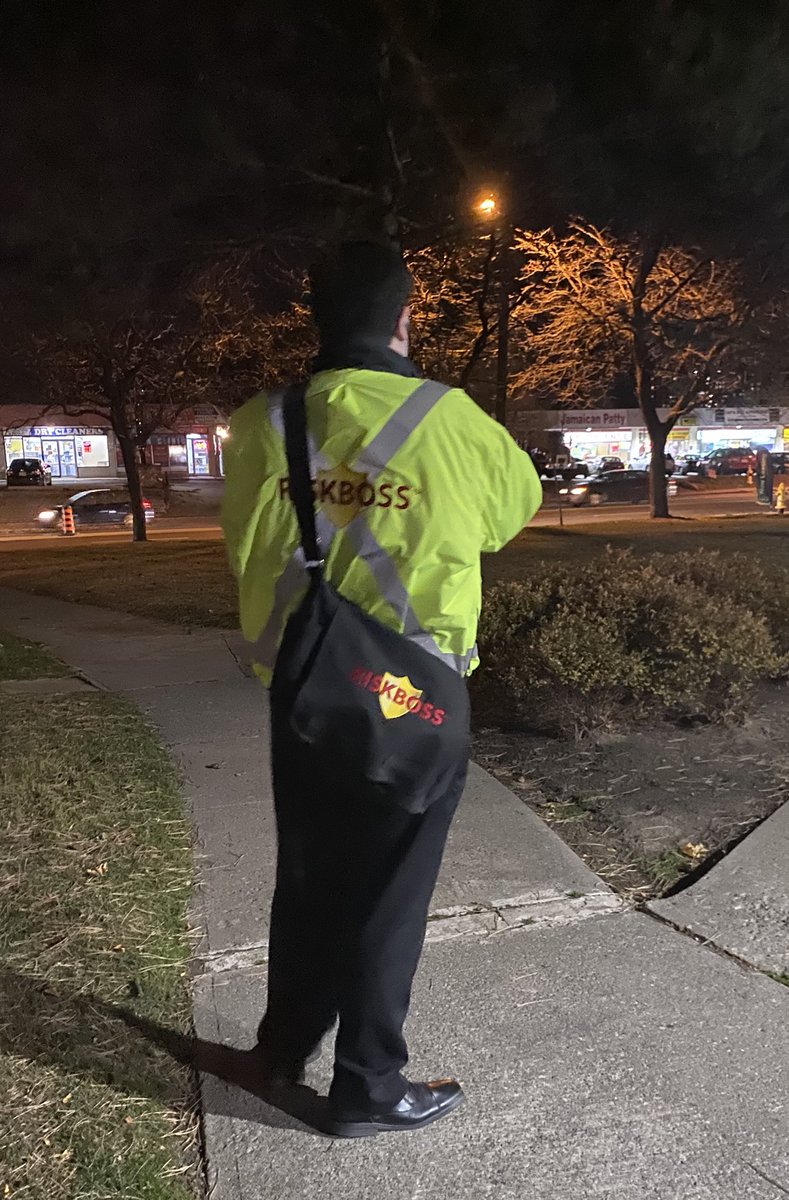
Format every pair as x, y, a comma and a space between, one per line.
142, 139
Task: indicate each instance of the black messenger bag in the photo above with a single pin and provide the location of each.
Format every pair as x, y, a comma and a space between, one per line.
383, 718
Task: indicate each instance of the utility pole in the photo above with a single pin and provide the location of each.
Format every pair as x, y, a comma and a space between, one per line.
490, 208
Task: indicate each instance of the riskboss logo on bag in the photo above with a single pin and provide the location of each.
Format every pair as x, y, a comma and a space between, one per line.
343, 493
397, 696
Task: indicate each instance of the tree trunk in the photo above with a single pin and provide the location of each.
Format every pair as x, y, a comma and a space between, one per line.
657, 429
502, 348
642, 369
658, 490
131, 462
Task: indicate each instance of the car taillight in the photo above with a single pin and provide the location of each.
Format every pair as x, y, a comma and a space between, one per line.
147, 504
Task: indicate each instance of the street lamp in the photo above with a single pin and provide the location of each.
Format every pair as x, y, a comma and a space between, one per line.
488, 207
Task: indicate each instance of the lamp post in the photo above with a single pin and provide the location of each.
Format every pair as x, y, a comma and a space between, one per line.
490, 208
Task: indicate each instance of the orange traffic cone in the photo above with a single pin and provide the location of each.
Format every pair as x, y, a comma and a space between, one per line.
69, 528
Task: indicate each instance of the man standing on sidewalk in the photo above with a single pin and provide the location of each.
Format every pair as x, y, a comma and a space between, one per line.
412, 481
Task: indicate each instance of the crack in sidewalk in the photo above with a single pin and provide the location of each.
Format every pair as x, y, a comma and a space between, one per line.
706, 943
549, 909
767, 1178
244, 665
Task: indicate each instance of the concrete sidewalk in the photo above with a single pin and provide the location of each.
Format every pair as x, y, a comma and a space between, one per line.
605, 1054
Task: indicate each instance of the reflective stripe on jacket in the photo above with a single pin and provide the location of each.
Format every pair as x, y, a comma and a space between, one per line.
412, 482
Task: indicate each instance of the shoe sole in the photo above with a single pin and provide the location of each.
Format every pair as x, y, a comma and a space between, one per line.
362, 1129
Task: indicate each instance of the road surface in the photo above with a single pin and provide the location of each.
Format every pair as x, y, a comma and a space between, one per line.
18, 538
692, 504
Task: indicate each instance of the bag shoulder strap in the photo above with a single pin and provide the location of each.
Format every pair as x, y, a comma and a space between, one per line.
294, 410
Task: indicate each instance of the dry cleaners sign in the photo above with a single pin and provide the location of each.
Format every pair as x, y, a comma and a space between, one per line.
62, 430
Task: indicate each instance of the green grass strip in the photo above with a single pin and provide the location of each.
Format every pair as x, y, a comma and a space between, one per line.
24, 660
95, 873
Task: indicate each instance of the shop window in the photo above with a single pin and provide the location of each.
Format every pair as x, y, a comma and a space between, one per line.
197, 454
93, 451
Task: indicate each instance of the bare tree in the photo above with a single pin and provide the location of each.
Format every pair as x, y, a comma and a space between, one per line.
137, 375
144, 372
244, 348
461, 288
598, 310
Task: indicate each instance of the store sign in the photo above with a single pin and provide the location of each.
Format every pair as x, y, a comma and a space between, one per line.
743, 416
600, 418
687, 422
63, 430
592, 420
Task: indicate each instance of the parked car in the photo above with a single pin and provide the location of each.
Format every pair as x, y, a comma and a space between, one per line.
612, 487
608, 464
558, 466
28, 471
643, 462
99, 506
732, 460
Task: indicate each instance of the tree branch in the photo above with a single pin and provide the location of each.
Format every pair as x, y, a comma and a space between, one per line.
687, 401
683, 283
399, 27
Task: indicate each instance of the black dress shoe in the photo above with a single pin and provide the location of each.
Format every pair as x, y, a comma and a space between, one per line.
422, 1104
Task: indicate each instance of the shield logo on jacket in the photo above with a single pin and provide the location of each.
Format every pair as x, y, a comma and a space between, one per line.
397, 696
342, 493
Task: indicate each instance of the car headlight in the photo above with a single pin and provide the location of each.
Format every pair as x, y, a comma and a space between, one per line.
578, 491
563, 491
48, 514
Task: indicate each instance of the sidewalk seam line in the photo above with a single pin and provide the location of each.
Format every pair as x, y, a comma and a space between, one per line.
255, 954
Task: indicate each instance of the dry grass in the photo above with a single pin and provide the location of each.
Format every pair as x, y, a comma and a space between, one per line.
189, 583
763, 537
186, 583
95, 870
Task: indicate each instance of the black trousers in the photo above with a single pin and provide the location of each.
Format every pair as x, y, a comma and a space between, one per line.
354, 882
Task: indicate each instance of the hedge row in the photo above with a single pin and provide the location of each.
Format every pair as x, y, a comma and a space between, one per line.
679, 635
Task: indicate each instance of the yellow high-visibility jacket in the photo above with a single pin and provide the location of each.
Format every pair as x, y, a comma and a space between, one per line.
412, 482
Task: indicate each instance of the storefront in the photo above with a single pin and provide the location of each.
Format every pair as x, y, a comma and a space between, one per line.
192, 447
71, 451
750, 427
197, 455
619, 433
590, 444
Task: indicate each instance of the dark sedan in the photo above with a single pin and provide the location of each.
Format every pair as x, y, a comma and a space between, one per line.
610, 487
100, 506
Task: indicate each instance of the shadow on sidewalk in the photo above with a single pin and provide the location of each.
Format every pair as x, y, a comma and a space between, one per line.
85, 1035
